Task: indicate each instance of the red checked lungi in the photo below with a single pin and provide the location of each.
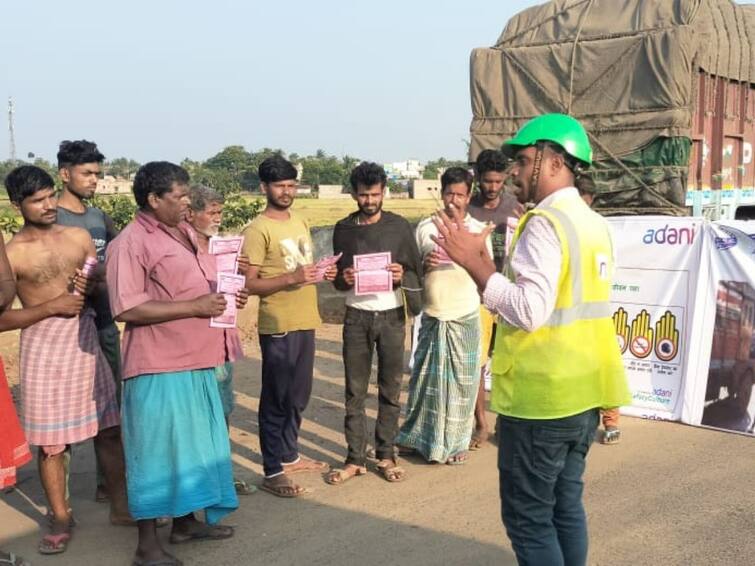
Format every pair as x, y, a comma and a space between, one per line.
67, 389
14, 452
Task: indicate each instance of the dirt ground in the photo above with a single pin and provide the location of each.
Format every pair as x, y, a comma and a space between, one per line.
668, 494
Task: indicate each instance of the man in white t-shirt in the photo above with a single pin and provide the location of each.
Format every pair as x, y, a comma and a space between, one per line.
445, 372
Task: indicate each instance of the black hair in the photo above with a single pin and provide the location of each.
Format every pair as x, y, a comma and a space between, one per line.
367, 174
576, 166
275, 169
157, 177
78, 152
26, 180
454, 175
491, 160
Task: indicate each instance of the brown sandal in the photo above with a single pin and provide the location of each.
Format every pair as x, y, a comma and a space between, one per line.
391, 471
338, 476
282, 486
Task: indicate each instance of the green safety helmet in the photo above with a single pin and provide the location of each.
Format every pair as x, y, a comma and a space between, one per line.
557, 128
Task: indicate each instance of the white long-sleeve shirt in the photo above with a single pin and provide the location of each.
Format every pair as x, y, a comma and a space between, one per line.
528, 302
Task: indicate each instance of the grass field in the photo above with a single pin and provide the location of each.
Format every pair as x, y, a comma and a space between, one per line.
326, 212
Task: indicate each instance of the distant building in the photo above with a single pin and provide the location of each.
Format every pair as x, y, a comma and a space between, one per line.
410, 169
110, 185
332, 191
425, 189
303, 189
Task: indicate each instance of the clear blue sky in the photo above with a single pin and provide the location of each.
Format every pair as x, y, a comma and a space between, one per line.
166, 80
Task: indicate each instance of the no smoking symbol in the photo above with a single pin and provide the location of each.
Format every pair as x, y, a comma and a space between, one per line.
640, 347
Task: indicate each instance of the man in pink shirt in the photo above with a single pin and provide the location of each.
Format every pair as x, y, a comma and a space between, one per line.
175, 439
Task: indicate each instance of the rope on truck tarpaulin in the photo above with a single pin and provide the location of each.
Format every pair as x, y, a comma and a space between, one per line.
631, 173
582, 20
539, 24
566, 108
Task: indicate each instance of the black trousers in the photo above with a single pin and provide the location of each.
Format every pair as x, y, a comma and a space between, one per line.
363, 333
287, 364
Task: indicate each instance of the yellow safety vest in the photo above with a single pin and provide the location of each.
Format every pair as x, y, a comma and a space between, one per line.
572, 363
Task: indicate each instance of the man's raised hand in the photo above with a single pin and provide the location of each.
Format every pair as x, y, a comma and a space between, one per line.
453, 236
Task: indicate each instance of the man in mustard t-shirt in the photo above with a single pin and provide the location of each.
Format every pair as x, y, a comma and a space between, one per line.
281, 272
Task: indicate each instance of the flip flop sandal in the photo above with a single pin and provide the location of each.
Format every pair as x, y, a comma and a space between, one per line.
340, 476
392, 472
284, 490
317, 466
56, 543
211, 532
458, 459
243, 488
14, 560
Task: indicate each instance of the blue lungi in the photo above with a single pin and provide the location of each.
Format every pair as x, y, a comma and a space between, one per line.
175, 440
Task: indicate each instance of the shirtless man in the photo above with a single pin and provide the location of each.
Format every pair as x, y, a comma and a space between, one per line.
67, 390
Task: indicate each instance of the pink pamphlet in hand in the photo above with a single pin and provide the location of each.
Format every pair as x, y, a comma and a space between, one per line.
324, 263
443, 257
229, 284
226, 250
371, 274
87, 269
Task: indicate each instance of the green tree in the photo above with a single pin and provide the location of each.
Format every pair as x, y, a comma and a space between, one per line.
324, 169
434, 168
120, 208
121, 167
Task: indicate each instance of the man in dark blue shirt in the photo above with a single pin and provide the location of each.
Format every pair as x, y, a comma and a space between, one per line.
80, 167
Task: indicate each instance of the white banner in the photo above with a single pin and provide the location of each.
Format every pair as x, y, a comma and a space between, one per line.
654, 293
720, 394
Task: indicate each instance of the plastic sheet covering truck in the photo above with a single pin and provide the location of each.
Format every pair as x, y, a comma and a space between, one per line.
665, 89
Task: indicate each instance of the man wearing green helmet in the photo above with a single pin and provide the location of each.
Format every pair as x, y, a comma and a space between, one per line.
556, 361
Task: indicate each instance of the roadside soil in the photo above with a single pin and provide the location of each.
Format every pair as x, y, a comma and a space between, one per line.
667, 494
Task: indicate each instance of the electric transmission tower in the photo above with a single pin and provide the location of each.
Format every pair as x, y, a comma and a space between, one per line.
12, 145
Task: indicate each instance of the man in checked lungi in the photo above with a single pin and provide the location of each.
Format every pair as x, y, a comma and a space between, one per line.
446, 371
67, 390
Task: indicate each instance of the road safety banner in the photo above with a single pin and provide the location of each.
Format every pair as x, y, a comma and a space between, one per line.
719, 391
656, 285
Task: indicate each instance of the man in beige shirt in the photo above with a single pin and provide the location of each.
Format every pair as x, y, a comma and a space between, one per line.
445, 373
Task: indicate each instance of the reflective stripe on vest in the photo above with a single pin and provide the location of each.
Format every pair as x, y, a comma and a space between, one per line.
579, 309
572, 362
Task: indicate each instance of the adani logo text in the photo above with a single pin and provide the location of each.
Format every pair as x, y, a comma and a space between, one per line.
670, 235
